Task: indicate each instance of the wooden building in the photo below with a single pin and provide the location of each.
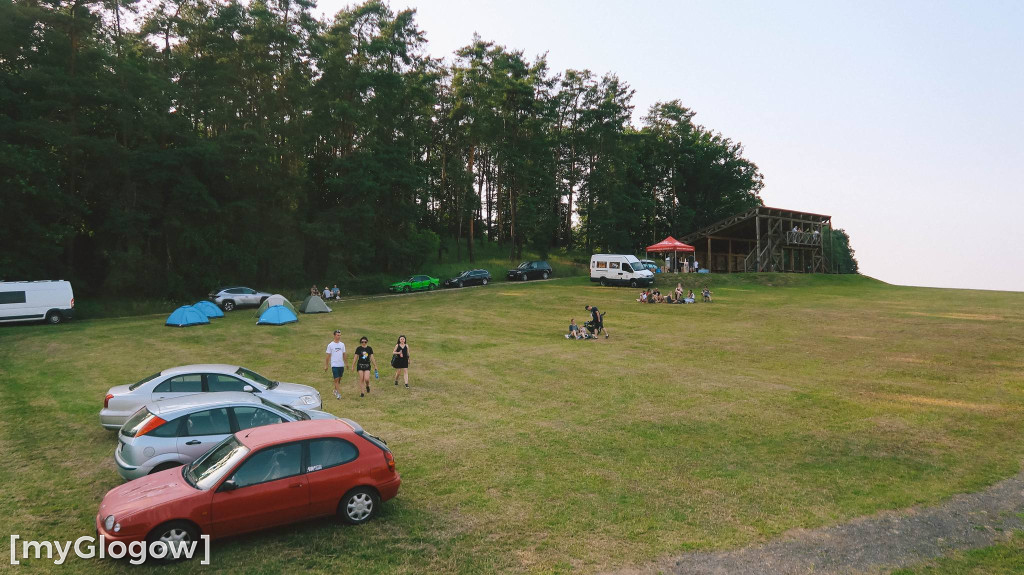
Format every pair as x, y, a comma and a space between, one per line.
764, 239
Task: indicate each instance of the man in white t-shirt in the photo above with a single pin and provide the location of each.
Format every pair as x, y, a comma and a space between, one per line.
335, 359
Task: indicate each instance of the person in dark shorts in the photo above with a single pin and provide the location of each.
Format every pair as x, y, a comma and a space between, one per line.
400, 360
364, 360
335, 360
597, 320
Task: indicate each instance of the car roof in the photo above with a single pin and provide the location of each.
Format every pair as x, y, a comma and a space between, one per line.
203, 367
188, 403
258, 437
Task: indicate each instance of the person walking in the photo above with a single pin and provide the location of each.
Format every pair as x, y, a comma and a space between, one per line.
335, 360
400, 360
363, 358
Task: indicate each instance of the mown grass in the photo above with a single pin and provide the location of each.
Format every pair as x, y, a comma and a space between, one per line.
792, 401
1003, 559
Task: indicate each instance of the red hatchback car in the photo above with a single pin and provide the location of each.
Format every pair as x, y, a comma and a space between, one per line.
255, 479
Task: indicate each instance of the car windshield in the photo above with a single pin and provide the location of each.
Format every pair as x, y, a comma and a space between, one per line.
252, 375
295, 414
463, 274
208, 470
410, 280
524, 265
133, 386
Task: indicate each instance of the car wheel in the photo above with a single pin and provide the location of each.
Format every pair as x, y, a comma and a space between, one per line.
407, 289
174, 532
523, 277
54, 317
544, 276
632, 283
430, 287
359, 505
604, 282
228, 305
483, 282
262, 299
165, 467
459, 284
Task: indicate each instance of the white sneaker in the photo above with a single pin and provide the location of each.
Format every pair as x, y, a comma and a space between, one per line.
336, 394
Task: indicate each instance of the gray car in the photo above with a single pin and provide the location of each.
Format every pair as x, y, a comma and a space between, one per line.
173, 432
228, 298
124, 400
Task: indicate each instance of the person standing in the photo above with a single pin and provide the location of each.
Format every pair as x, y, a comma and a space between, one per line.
335, 360
401, 360
597, 320
363, 358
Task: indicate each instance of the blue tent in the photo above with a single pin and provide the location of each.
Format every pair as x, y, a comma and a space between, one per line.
185, 316
277, 315
208, 308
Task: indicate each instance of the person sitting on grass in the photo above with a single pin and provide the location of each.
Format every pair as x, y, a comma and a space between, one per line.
574, 330
706, 293
679, 291
642, 298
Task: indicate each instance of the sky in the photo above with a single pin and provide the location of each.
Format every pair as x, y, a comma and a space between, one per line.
904, 120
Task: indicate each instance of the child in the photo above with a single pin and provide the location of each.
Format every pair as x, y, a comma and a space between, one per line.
574, 330
707, 294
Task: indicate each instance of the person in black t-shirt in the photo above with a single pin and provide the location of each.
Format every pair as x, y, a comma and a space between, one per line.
363, 358
597, 320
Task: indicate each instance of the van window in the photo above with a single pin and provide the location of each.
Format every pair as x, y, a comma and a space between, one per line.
602, 265
12, 297
626, 268
614, 265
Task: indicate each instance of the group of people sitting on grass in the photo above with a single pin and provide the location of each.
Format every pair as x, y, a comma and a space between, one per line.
655, 296
591, 329
327, 293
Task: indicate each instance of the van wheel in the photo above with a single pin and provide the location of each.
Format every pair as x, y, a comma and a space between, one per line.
228, 305
604, 282
54, 317
544, 276
632, 283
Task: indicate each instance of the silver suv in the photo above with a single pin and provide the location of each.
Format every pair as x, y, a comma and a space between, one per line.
228, 298
173, 432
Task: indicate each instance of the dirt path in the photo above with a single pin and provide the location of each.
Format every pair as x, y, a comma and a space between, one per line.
876, 544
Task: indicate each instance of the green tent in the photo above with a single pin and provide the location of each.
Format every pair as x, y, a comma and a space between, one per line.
276, 299
313, 304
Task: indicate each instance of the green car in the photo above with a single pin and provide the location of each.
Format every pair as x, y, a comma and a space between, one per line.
415, 283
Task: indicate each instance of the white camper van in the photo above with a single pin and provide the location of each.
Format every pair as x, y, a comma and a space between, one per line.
50, 300
616, 269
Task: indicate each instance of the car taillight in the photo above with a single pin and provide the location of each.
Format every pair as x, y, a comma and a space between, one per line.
106, 400
72, 302
153, 423
391, 461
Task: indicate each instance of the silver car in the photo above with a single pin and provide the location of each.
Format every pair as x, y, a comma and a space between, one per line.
173, 432
124, 400
228, 298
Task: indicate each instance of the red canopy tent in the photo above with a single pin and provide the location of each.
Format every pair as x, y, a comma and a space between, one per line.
670, 244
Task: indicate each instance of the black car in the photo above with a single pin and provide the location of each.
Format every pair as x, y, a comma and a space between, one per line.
469, 278
531, 271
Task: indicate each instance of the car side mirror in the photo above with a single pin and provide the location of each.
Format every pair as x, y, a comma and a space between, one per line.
229, 485
249, 389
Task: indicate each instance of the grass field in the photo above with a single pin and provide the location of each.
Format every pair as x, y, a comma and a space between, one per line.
792, 401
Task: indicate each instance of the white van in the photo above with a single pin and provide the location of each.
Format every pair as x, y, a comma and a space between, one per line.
50, 300
616, 269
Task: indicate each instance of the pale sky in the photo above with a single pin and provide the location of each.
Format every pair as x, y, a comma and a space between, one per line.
904, 120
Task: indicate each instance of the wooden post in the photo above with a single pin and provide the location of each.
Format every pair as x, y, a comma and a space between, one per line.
707, 264
728, 263
757, 224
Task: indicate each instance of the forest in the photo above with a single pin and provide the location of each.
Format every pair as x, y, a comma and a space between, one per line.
156, 147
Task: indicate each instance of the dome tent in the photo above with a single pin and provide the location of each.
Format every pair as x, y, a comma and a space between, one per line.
313, 304
208, 308
185, 316
276, 299
277, 315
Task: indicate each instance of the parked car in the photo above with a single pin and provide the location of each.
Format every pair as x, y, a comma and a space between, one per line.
531, 271
122, 401
173, 432
468, 278
415, 283
52, 301
256, 479
650, 265
619, 269
228, 298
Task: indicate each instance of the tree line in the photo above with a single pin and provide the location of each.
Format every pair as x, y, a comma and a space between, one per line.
157, 147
